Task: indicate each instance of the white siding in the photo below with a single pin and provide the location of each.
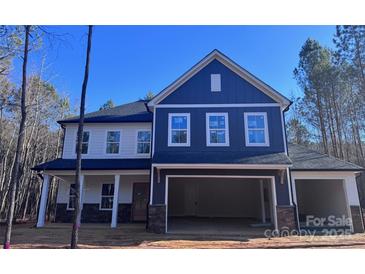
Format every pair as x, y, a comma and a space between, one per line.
97, 141
93, 185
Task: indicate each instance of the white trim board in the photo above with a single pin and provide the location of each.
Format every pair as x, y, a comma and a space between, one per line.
273, 190
217, 105
217, 55
219, 166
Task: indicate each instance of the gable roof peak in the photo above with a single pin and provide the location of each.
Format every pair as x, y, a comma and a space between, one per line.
215, 54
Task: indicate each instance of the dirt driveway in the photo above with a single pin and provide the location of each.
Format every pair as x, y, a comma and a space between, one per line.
135, 236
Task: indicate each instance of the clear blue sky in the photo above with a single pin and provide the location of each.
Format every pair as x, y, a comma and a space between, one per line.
129, 61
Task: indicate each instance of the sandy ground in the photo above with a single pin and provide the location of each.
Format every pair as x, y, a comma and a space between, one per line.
135, 236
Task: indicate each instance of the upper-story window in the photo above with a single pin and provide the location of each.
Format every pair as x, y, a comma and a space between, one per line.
84, 143
215, 82
112, 142
107, 195
143, 141
179, 129
256, 129
217, 129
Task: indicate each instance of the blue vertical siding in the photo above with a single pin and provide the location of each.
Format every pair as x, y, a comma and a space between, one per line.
235, 89
236, 130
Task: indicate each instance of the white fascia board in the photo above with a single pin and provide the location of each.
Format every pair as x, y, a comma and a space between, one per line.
217, 105
269, 91
218, 166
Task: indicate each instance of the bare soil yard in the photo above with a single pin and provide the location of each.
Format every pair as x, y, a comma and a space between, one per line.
135, 236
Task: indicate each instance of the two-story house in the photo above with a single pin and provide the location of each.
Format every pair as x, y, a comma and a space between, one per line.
209, 151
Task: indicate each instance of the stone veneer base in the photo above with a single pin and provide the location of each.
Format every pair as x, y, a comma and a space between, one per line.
357, 220
157, 218
286, 217
92, 214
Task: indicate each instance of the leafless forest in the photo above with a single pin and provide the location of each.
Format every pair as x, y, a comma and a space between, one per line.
328, 115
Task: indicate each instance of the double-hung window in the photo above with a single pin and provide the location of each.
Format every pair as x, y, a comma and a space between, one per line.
179, 129
112, 142
256, 129
217, 129
84, 142
107, 194
71, 198
143, 141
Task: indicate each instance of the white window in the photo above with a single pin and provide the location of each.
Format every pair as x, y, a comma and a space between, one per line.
72, 198
112, 142
179, 129
84, 143
143, 141
217, 129
256, 129
107, 196
215, 82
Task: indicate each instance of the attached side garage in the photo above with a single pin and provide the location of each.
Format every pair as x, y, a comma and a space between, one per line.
325, 188
320, 198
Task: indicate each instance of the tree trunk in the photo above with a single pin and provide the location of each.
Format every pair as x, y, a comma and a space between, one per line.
77, 216
19, 148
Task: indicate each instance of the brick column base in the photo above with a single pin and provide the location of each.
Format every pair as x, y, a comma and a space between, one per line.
357, 221
286, 217
157, 218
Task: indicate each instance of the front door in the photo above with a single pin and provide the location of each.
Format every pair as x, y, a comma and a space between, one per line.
140, 200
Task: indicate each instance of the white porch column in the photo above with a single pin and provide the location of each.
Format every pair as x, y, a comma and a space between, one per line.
263, 209
43, 203
115, 201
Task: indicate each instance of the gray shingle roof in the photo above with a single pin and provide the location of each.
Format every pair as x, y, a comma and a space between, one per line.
95, 164
307, 159
220, 158
132, 112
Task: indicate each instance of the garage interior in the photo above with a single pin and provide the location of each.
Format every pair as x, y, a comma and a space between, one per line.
320, 198
232, 206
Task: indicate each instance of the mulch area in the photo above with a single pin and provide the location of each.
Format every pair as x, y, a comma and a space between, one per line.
134, 236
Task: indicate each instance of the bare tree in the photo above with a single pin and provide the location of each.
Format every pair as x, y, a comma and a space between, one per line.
19, 147
77, 216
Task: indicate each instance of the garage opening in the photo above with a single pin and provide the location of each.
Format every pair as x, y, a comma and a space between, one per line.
321, 199
219, 205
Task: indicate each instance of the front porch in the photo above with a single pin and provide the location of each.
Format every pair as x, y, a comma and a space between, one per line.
106, 196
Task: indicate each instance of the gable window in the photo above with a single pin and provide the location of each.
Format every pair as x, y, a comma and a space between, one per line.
215, 82
84, 143
143, 141
256, 129
217, 129
112, 142
72, 198
179, 129
107, 194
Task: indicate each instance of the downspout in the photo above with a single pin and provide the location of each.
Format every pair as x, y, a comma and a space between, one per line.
152, 144
289, 171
